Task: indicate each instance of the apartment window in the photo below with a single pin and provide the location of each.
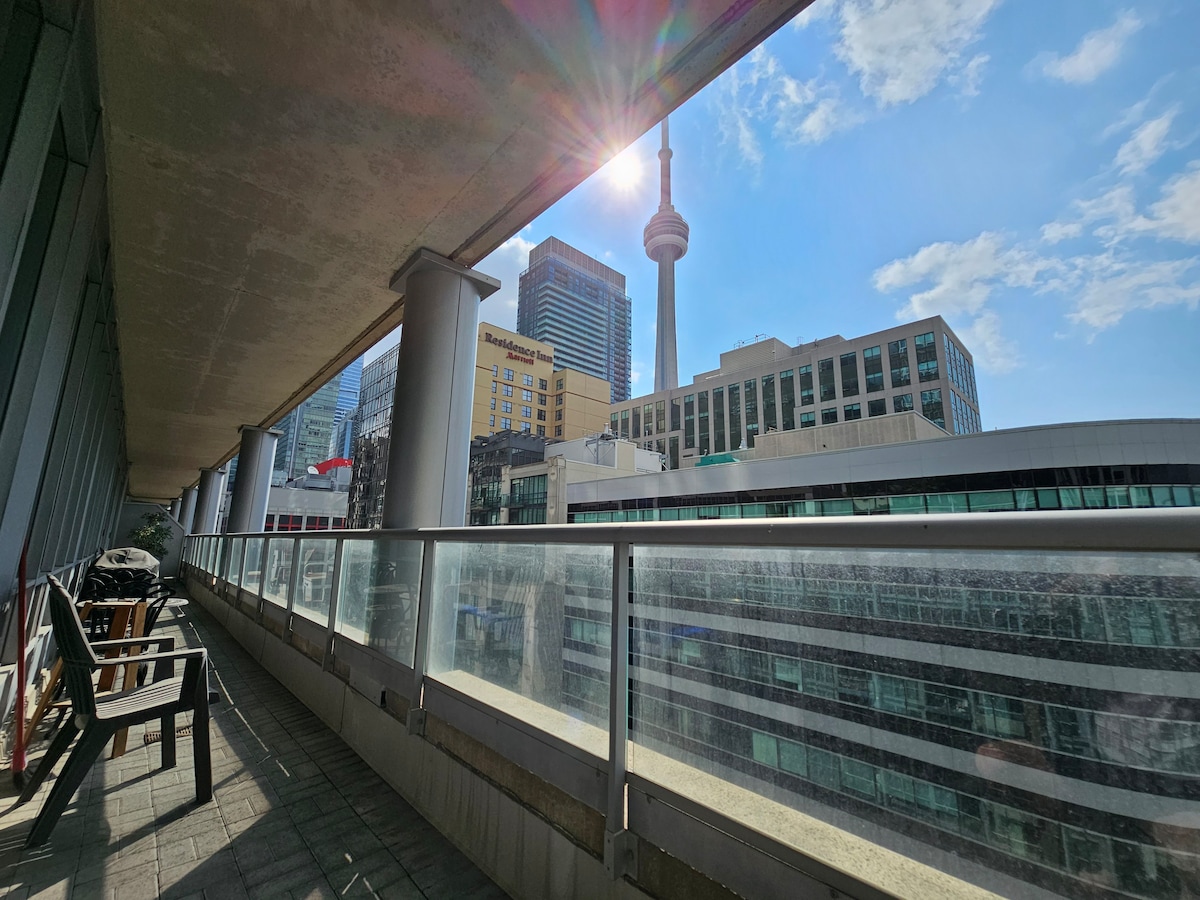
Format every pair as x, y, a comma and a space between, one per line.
541, 416
637, 422
558, 385
541, 399
689, 421
526, 427
676, 424
505, 424
558, 416
506, 406
852, 411
541, 430
558, 431
825, 377
527, 380
673, 452
493, 403
751, 395
769, 420
849, 367
902, 403
495, 371
660, 416
873, 369
612, 423
787, 399
898, 360
509, 374
543, 384
491, 421
527, 412
808, 419
829, 416
527, 396
927, 362
507, 390
624, 423
806, 386
876, 408
718, 405
648, 419
493, 387
931, 407
702, 415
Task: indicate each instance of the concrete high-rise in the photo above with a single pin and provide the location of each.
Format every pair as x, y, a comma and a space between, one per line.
666, 240
577, 305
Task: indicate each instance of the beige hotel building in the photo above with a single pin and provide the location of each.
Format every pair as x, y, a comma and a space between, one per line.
517, 388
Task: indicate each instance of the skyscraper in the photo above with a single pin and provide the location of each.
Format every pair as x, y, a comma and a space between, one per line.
577, 305
666, 240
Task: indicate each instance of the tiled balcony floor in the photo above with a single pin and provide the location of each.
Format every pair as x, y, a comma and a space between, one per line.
295, 812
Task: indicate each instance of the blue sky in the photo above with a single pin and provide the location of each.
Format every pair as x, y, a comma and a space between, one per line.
1030, 171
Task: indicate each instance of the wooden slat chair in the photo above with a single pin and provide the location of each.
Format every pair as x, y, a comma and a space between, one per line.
98, 718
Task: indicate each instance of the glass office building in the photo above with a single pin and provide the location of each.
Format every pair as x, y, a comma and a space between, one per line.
577, 305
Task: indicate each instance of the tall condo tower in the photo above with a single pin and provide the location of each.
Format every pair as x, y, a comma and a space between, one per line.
666, 240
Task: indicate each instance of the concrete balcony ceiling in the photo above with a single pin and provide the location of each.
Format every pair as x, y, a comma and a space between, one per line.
273, 164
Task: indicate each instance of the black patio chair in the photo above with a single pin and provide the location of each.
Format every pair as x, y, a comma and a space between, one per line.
97, 718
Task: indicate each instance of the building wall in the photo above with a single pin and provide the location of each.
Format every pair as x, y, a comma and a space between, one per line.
584, 404
770, 386
578, 305
513, 376
891, 429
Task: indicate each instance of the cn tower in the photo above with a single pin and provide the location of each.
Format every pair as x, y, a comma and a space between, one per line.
666, 240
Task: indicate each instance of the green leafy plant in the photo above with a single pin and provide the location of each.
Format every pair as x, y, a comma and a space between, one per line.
152, 536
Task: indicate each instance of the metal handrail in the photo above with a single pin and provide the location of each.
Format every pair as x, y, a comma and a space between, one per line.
1108, 530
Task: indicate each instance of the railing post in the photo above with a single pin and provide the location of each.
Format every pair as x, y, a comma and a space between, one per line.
331, 625
620, 845
416, 703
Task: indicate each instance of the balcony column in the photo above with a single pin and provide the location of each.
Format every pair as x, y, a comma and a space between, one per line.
256, 460
435, 385
175, 507
187, 510
208, 503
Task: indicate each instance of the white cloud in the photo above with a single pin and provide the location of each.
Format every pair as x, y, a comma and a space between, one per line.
1054, 232
506, 262
1145, 146
991, 349
1097, 52
900, 49
818, 11
971, 75
1177, 214
1107, 287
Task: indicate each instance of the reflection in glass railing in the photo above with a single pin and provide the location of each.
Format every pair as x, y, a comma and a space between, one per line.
234, 563
252, 566
277, 570
314, 584
1012, 718
506, 615
377, 597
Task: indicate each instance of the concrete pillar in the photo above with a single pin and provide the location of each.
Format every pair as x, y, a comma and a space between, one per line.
187, 510
208, 503
435, 385
175, 507
256, 460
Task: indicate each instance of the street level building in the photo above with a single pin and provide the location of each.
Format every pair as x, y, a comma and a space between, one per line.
579, 306
770, 386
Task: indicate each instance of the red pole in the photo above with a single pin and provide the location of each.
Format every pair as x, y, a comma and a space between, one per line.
18, 757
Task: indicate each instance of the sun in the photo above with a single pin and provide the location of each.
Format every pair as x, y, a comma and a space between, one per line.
624, 171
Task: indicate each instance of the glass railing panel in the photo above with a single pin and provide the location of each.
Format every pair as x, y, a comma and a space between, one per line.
377, 597
210, 555
314, 584
526, 628
233, 565
277, 570
252, 565
1011, 719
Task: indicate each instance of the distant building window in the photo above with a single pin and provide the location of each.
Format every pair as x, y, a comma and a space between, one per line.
491, 421
542, 384
493, 406
931, 407
902, 403
509, 374
525, 426
808, 419
558, 386
506, 406
541, 416
558, 431
541, 430
495, 371
876, 407
270, 523
873, 367
505, 424
527, 396
828, 416
825, 376
527, 380
852, 411
558, 415
849, 367
898, 360
558, 399
527, 412
493, 387
508, 390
